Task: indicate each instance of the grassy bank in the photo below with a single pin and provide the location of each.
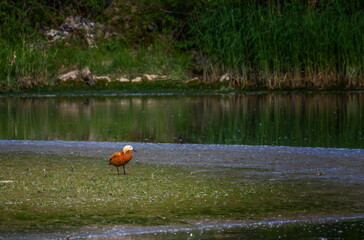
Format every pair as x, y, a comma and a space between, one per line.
24, 66
254, 44
53, 191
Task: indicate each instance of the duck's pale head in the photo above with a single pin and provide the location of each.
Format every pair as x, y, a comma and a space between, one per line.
127, 148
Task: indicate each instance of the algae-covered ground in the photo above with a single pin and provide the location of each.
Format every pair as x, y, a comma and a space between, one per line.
60, 186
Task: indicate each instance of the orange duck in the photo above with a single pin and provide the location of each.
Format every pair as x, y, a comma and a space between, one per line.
121, 158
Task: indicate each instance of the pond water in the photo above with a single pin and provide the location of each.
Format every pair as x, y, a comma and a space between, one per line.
276, 119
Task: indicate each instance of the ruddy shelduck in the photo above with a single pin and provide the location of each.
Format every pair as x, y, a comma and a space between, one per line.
121, 158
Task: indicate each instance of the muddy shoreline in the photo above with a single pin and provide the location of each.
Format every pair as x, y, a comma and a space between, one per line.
267, 162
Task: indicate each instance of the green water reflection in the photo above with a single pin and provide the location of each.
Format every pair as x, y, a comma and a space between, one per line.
304, 119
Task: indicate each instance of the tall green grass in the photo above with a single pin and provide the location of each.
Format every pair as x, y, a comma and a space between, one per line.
290, 44
25, 65
114, 56
22, 65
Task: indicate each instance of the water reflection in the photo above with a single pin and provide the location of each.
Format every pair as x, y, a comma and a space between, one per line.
325, 120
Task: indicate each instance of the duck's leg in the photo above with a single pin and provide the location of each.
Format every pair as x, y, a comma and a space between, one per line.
117, 169
124, 170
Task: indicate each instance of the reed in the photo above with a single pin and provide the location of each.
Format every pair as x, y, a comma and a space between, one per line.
23, 65
283, 45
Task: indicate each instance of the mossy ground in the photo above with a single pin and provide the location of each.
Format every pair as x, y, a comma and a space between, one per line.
39, 190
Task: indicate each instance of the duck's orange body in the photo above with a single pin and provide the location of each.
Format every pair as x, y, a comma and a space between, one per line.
121, 158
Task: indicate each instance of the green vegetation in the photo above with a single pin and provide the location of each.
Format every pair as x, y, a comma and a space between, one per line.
23, 66
257, 43
285, 45
41, 190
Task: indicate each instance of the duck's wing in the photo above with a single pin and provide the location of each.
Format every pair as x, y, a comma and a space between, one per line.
115, 155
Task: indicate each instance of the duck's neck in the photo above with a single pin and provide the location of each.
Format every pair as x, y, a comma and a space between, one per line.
127, 152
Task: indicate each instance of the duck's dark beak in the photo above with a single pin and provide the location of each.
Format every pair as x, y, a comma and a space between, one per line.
134, 150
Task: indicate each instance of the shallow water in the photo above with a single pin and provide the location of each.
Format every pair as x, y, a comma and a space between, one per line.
301, 229
278, 119
338, 228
